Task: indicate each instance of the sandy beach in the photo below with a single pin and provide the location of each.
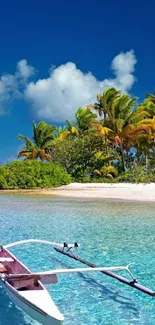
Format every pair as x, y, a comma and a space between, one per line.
121, 191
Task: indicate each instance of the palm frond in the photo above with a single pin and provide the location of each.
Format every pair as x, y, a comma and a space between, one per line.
24, 154
27, 141
63, 135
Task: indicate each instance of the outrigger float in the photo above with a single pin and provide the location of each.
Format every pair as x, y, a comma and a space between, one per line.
27, 291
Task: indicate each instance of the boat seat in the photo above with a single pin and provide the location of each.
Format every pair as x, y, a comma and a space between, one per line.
4, 259
2, 268
18, 284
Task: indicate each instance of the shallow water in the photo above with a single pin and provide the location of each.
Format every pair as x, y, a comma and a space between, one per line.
110, 233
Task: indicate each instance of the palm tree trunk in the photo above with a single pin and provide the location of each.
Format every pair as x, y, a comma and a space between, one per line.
127, 159
107, 149
146, 160
122, 156
154, 149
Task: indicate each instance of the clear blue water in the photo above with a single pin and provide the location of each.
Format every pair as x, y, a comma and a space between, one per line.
110, 233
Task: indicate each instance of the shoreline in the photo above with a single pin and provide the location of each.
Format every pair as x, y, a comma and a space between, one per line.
119, 191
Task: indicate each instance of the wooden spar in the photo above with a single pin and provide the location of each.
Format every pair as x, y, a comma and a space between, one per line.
133, 283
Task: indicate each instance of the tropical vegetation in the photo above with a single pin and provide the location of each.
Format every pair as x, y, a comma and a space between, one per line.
112, 140
39, 146
32, 174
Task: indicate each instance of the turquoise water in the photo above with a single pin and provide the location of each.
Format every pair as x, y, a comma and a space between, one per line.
110, 233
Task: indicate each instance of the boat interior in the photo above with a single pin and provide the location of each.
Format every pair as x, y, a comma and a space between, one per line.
9, 265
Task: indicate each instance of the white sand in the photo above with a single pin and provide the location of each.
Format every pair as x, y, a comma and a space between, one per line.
121, 191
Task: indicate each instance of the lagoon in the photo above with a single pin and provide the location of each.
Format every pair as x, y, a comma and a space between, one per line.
110, 233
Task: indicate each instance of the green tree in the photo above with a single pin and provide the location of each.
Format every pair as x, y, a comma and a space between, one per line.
32, 174
68, 130
84, 119
145, 143
149, 104
43, 135
151, 97
122, 119
105, 101
77, 154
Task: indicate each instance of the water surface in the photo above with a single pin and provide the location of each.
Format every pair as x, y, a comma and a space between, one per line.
110, 233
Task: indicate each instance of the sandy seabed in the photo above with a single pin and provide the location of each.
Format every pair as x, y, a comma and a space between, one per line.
121, 191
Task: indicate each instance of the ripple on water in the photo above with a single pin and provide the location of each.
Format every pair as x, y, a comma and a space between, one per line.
110, 233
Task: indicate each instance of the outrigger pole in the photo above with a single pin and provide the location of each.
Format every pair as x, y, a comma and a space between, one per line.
60, 248
133, 283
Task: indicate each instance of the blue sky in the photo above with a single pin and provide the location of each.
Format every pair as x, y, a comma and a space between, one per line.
57, 55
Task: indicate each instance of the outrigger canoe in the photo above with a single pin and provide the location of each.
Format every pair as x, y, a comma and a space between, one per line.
27, 291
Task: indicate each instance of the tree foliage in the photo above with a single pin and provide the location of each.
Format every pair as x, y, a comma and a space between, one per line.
43, 135
109, 137
78, 155
32, 174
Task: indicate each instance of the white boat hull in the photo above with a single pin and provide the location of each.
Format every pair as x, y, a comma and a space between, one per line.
32, 309
36, 302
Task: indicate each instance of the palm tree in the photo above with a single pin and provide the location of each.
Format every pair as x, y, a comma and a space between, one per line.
71, 128
122, 119
43, 135
144, 147
103, 131
105, 101
68, 130
151, 97
149, 103
84, 119
61, 132
146, 141
148, 124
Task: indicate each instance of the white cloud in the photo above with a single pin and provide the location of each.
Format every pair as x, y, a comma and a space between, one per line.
24, 70
57, 97
124, 63
123, 66
67, 88
12, 85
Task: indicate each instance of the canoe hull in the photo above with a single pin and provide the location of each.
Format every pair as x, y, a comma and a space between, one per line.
29, 308
36, 302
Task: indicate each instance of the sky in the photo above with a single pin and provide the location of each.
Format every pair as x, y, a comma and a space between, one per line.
56, 56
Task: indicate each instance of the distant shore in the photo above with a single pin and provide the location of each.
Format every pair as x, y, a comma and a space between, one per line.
120, 191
